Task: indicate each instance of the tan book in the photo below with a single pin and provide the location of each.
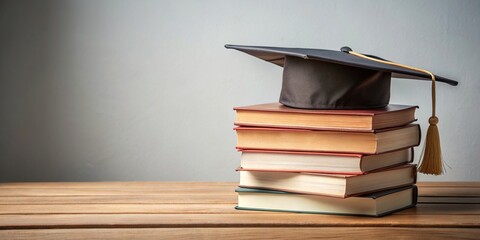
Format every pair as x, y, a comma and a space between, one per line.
339, 163
278, 115
375, 142
335, 185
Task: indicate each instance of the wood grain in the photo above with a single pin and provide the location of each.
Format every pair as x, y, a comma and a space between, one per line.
448, 184
119, 199
450, 200
23, 209
242, 233
8, 192
112, 185
254, 219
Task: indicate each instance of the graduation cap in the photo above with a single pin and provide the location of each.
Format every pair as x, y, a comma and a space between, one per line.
327, 79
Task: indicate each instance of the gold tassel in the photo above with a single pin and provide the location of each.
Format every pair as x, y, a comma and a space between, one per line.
432, 153
431, 162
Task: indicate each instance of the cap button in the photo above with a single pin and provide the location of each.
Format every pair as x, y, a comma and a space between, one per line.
433, 120
345, 49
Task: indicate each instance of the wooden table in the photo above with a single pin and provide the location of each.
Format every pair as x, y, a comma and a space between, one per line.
205, 210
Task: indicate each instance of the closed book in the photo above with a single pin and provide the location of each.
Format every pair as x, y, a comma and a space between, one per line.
335, 185
346, 163
278, 115
374, 204
378, 141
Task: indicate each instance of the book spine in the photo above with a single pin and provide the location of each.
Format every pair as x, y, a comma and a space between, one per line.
414, 203
412, 155
414, 170
415, 195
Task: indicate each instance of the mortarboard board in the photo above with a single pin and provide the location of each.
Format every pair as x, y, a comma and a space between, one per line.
327, 79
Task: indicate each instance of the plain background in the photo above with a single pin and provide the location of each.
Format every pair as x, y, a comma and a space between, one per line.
144, 90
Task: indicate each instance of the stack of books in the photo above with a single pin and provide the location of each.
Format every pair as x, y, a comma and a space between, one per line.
354, 162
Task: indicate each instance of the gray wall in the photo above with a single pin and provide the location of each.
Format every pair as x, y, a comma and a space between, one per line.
144, 90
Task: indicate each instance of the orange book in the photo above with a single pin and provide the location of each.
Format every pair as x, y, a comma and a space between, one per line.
280, 116
378, 141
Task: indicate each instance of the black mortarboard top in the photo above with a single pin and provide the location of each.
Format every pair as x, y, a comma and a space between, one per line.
327, 79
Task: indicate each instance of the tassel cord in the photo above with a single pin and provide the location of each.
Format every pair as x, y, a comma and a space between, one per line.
432, 159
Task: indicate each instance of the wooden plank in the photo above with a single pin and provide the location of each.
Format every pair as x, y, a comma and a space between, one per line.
242, 233
184, 184
115, 184
443, 209
162, 199
120, 209
152, 188
173, 198
472, 184
449, 192
230, 220
425, 209
449, 189
12, 192
449, 200
78, 196
121, 199
440, 192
